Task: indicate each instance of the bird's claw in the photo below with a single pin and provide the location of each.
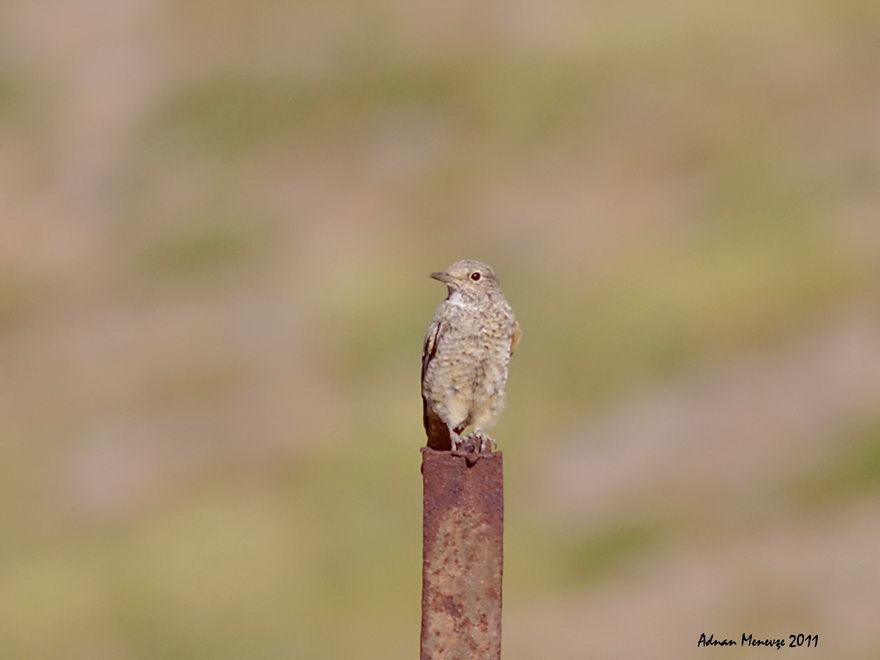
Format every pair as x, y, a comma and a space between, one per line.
487, 443
473, 445
466, 447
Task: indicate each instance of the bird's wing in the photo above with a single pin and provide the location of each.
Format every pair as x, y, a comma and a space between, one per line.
429, 349
438, 435
517, 335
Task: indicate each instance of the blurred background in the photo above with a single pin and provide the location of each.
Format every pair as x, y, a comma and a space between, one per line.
217, 224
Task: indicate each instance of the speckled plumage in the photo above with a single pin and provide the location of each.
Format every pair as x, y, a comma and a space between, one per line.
466, 354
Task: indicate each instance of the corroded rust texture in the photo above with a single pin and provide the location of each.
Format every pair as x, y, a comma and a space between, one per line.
462, 556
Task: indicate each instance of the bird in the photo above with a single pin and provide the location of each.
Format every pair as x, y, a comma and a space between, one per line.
465, 358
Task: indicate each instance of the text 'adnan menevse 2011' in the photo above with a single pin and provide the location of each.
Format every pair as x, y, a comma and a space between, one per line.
748, 639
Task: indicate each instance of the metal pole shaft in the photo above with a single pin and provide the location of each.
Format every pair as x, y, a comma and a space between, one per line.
462, 556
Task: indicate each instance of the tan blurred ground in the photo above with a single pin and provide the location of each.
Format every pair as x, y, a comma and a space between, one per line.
217, 220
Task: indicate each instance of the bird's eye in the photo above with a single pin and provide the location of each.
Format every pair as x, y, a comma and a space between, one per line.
476, 276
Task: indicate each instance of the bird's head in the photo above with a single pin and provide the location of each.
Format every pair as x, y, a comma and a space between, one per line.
469, 278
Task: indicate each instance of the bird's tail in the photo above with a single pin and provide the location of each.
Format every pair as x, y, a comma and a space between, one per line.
437, 431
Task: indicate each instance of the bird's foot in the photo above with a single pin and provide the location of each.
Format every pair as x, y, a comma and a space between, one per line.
460, 444
487, 443
466, 447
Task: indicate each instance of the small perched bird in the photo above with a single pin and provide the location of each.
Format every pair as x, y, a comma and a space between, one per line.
465, 356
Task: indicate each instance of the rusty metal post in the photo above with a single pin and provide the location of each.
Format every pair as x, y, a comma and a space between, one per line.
462, 556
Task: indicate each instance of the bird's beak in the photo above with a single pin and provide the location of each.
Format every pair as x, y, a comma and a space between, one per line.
446, 278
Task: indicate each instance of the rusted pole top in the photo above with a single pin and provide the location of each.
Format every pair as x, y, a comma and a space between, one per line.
462, 556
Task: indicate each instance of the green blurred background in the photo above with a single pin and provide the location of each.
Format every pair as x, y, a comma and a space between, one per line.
217, 222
